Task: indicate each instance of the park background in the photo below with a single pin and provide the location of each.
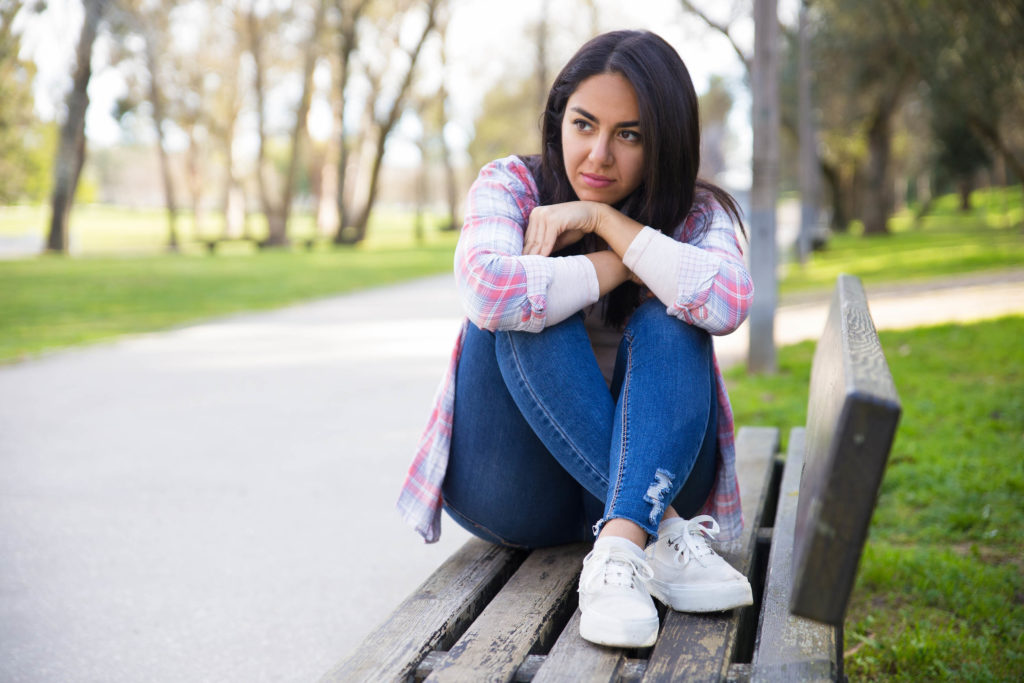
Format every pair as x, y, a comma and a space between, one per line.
163, 163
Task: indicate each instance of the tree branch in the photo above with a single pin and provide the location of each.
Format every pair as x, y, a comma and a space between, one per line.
724, 29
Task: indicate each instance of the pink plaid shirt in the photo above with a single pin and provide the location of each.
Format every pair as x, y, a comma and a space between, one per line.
503, 290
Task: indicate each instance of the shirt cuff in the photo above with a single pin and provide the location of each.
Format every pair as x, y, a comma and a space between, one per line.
573, 286
654, 257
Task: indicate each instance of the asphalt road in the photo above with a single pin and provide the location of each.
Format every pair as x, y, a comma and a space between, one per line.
216, 502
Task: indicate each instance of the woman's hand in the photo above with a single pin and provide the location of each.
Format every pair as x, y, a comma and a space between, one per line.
556, 226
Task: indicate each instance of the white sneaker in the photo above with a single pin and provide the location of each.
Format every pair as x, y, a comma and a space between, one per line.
688, 575
616, 608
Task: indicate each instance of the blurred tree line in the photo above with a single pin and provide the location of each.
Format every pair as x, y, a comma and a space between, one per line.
914, 98
907, 99
910, 98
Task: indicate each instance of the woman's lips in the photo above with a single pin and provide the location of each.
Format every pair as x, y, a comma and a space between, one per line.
596, 181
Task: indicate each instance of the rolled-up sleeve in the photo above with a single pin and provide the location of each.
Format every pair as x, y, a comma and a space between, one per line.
706, 283
500, 288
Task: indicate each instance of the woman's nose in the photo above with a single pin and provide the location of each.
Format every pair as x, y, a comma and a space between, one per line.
601, 151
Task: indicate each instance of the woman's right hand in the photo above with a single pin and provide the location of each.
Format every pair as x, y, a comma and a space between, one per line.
555, 226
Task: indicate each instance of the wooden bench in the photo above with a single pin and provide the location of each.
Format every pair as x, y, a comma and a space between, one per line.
495, 614
212, 243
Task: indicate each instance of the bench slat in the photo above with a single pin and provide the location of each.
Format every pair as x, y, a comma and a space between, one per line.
852, 414
790, 648
519, 617
574, 660
699, 647
432, 617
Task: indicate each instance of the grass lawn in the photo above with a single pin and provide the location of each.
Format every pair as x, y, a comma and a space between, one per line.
946, 242
940, 590
50, 302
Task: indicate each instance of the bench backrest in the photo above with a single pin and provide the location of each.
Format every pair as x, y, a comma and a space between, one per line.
852, 414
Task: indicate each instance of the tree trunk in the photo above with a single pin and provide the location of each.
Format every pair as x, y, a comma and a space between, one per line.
834, 180
71, 146
765, 86
270, 210
157, 102
347, 43
279, 229
964, 188
877, 189
358, 233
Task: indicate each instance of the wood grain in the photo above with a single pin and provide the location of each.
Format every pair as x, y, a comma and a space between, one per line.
574, 660
852, 414
788, 647
522, 616
433, 616
699, 647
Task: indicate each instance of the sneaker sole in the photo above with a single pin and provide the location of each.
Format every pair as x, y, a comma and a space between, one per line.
704, 598
603, 630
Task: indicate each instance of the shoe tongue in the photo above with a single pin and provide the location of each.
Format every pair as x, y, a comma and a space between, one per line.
616, 543
618, 571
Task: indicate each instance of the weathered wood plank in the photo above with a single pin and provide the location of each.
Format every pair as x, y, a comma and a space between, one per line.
433, 616
788, 647
698, 647
524, 613
574, 660
852, 415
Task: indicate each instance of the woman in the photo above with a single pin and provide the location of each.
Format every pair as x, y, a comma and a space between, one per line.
583, 395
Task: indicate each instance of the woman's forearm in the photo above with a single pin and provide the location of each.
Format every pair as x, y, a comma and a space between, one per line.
610, 270
616, 229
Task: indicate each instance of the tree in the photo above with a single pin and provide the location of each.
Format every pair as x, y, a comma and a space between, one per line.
152, 23
866, 48
350, 13
71, 146
972, 60
388, 106
714, 106
277, 210
17, 162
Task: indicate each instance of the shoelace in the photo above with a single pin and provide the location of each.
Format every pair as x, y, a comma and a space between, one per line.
692, 541
620, 568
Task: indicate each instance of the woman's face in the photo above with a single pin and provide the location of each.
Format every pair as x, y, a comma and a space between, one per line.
602, 146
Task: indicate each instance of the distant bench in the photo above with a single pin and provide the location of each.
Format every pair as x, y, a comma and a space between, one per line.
212, 243
496, 614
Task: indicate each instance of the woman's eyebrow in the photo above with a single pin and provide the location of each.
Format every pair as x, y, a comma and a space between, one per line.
586, 114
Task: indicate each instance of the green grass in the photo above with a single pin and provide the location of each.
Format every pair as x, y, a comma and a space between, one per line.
940, 590
946, 242
52, 302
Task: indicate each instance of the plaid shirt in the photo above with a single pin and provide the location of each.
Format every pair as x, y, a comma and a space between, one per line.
503, 290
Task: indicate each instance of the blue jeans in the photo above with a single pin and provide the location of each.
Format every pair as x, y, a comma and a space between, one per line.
542, 450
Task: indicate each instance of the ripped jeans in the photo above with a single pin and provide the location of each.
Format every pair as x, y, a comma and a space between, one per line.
542, 451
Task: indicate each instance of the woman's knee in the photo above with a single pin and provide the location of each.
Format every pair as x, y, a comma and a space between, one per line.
650, 322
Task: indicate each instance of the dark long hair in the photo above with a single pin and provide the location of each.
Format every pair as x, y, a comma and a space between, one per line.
670, 133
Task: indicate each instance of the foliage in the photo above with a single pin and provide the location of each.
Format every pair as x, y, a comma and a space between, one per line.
940, 586
19, 165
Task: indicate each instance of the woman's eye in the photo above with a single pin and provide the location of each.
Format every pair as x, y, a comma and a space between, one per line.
581, 124
630, 136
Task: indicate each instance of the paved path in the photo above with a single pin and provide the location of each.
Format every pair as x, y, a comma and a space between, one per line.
215, 503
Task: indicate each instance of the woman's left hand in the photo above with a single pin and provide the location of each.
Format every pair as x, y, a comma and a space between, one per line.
556, 226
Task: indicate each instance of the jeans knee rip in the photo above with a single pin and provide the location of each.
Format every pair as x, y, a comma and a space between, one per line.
656, 493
